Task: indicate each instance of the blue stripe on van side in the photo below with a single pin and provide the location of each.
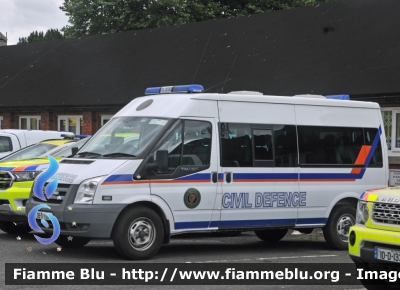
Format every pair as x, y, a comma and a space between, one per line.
248, 223
119, 177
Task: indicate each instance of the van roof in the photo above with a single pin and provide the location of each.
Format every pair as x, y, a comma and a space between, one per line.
294, 100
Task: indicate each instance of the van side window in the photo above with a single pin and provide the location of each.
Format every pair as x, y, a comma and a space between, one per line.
236, 149
285, 141
5, 144
369, 136
321, 145
197, 143
263, 145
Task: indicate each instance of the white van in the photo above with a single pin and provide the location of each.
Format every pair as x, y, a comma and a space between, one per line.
179, 160
12, 140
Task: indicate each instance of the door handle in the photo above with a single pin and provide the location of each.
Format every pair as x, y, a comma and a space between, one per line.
214, 177
228, 177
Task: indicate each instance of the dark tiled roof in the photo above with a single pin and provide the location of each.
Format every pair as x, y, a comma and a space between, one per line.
348, 47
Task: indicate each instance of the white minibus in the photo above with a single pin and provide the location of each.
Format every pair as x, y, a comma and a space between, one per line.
180, 160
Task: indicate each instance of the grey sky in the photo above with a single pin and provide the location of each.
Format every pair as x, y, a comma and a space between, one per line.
20, 17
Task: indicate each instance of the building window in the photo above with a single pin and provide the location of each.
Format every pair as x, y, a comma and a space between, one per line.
105, 119
71, 124
391, 123
29, 122
1, 122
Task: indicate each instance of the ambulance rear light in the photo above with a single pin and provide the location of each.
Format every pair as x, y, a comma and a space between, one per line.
338, 97
175, 89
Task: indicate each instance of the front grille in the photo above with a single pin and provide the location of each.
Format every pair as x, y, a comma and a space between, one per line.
386, 213
6, 179
58, 195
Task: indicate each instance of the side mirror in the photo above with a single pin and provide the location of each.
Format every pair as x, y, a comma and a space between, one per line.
161, 163
162, 160
74, 150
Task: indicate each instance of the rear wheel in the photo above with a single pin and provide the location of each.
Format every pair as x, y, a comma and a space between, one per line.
271, 235
336, 230
16, 228
71, 242
138, 233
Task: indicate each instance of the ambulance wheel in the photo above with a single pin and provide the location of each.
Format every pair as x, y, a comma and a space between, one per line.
71, 241
18, 228
336, 230
138, 233
271, 235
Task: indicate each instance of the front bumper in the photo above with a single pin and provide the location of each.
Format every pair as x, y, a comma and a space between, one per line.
80, 220
362, 251
13, 201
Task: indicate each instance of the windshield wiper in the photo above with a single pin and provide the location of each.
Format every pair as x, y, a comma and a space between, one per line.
118, 154
87, 153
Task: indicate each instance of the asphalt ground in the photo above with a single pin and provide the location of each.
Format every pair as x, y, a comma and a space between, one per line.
187, 248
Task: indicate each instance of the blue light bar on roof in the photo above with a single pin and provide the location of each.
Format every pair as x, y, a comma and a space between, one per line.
175, 89
82, 136
338, 97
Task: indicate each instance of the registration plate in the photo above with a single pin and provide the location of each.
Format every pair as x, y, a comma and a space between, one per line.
41, 215
387, 254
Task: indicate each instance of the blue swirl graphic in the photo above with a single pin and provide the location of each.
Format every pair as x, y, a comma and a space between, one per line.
43, 177
33, 224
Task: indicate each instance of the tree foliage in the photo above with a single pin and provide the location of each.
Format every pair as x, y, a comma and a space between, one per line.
88, 17
35, 36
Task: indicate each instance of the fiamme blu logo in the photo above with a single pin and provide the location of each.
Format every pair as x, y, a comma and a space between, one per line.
44, 193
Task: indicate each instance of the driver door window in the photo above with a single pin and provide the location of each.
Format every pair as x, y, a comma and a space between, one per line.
188, 144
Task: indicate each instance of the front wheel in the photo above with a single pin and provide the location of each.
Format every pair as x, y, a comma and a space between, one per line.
336, 230
271, 235
138, 233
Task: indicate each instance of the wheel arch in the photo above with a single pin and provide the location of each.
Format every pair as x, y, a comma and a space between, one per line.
156, 208
344, 199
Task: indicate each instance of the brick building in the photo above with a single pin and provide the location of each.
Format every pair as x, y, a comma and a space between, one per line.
348, 46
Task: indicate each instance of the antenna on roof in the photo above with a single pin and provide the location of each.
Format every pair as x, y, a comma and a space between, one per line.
222, 90
201, 58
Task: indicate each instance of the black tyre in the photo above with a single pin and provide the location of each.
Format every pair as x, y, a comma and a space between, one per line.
336, 230
18, 228
71, 242
271, 235
138, 233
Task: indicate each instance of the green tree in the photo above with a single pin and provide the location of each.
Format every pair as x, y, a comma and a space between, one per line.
88, 17
35, 36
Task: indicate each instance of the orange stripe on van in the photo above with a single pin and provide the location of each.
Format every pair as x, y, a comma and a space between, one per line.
361, 158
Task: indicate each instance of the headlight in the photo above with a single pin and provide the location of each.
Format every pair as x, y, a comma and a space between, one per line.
25, 175
362, 212
86, 191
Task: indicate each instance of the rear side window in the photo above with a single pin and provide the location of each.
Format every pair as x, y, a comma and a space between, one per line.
5, 144
319, 145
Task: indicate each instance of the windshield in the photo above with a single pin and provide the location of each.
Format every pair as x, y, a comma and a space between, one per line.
33, 151
123, 137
